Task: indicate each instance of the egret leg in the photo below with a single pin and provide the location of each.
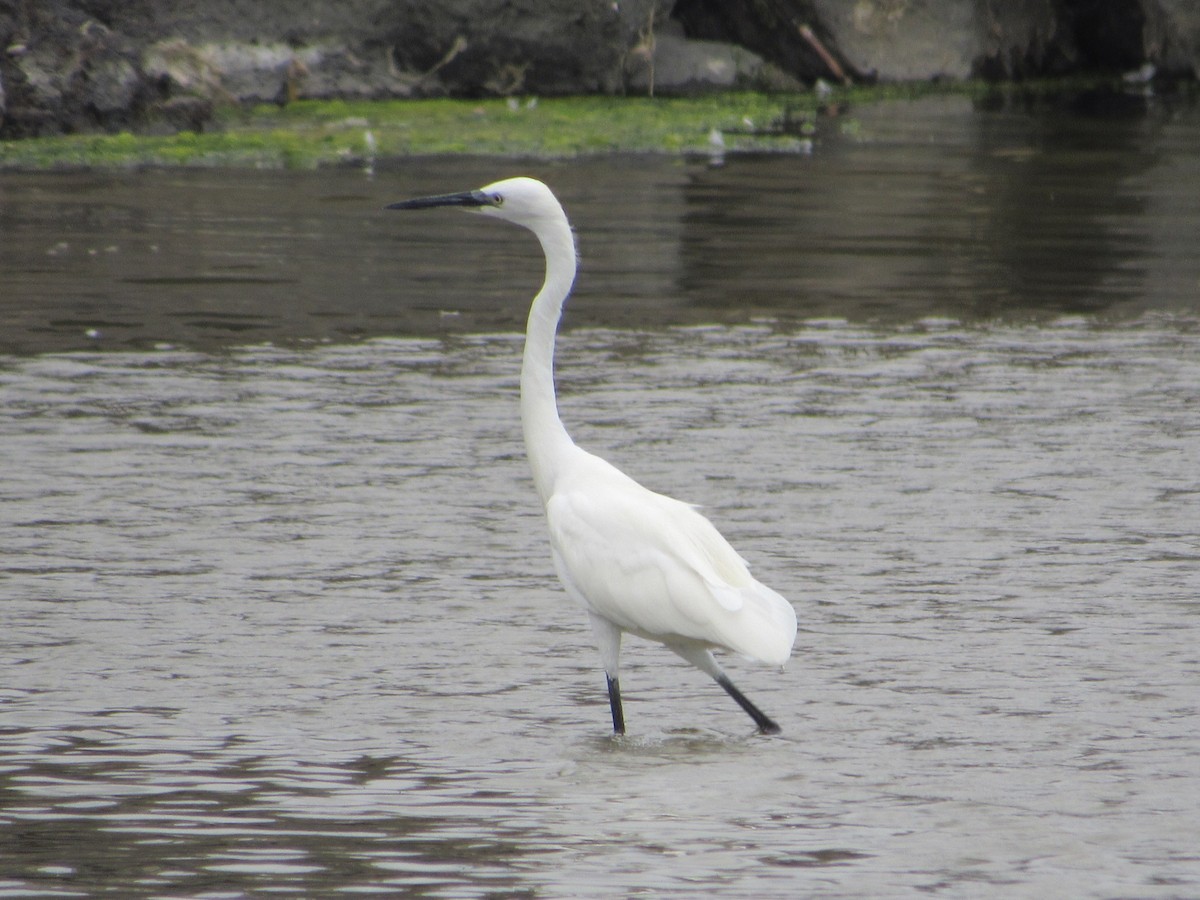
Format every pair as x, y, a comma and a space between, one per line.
608, 638
765, 724
614, 701
701, 657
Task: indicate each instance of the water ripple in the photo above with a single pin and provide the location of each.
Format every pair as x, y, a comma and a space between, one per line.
285, 618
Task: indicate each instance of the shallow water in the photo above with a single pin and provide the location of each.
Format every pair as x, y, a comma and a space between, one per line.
282, 617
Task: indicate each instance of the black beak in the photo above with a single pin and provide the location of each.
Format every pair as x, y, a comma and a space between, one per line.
469, 199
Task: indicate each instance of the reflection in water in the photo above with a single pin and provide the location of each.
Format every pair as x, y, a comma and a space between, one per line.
1013, 215
276, 607
922, 209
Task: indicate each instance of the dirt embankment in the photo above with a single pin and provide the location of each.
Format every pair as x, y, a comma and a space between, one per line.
83, 65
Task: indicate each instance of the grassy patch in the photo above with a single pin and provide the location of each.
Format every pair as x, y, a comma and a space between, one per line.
311, 133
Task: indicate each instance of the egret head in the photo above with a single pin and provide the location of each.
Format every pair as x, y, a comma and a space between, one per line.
525, 201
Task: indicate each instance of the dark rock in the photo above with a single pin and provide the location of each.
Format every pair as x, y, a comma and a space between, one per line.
679, 65
68, 73
1024, 39
789, 33
902, 40
182, 114
1171, 39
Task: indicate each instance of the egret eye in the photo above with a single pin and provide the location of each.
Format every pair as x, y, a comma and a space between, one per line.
497, 199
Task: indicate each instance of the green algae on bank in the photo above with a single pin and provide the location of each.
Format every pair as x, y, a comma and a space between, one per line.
310, 133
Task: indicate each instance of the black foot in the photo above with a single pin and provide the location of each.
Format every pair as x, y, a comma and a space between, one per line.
765, 724
614, 700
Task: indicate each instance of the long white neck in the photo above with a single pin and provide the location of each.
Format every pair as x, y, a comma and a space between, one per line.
546, 440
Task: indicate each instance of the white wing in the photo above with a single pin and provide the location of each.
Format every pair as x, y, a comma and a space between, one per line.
654, 566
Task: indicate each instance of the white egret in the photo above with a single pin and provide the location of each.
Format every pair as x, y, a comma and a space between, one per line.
638, 562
